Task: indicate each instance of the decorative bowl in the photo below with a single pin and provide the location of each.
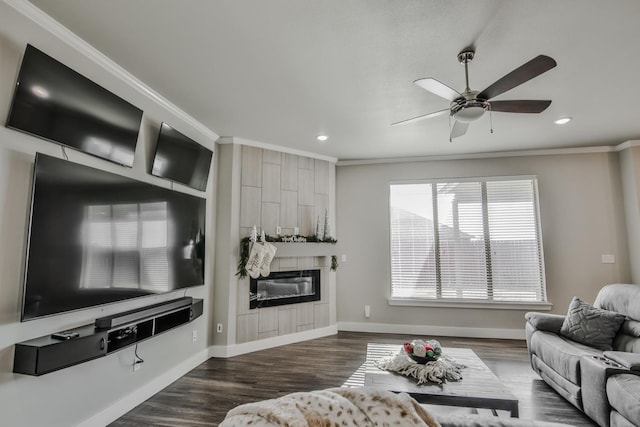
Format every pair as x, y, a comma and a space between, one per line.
422, 360
423, 351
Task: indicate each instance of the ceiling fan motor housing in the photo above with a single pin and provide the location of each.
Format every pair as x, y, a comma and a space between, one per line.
468, 108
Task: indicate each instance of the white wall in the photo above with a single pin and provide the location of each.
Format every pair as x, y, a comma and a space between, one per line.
582, 217
88, 391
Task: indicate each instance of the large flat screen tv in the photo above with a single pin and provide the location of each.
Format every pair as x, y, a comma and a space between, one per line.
56, 103
181, 159
96, 237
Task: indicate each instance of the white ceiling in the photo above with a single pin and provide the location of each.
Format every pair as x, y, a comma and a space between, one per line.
283, 71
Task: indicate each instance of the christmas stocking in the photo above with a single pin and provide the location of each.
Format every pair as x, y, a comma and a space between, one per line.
256, 257
270, 251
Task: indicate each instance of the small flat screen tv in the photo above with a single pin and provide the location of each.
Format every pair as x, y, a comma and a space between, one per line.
96, 237
54, 102
181, 159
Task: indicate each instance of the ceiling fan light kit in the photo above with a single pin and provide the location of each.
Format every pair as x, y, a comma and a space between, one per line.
469, 109
470, 105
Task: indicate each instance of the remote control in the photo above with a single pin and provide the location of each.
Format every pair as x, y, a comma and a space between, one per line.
65, 335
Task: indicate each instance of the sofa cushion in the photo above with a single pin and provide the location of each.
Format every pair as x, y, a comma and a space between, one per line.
589, 325
560, 354
624, 342
617, 420
623, 392
621, 298
631, 327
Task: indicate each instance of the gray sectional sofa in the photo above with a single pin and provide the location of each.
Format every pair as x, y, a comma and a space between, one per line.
591, 356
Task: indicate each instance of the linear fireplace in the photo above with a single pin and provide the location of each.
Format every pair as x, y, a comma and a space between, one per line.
285, 287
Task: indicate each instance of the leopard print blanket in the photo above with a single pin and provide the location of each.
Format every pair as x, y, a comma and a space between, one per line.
362, 407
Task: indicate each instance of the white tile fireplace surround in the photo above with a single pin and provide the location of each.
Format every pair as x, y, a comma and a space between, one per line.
266, 322
287, 191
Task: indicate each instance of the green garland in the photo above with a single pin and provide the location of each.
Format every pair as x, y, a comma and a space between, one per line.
245, 245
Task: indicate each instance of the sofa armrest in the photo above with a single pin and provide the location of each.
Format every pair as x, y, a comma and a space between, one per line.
545, 321
595, 370
630, 361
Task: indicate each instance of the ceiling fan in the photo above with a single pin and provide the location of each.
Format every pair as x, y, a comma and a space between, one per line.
470, 105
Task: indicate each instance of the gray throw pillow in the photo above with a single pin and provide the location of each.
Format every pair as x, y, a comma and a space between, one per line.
591, 326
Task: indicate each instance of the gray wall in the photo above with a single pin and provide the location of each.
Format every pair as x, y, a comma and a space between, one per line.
69, 396
582, 216
630, 172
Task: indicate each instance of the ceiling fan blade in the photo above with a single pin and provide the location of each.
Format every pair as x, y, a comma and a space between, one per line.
438, 88
422, 117
458, 129
522, 74
521, 106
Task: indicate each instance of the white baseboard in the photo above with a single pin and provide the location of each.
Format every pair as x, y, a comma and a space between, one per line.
225, 351
143, 393
447, 331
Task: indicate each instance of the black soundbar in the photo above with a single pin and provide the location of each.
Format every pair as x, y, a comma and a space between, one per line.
131, 316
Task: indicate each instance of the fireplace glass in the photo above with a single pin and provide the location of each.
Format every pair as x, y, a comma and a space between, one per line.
285, 287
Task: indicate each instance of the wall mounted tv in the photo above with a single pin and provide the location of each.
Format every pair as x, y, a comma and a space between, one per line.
96, 237
56, 103
181, 159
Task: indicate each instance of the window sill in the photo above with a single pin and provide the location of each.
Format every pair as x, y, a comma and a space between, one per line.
453, 303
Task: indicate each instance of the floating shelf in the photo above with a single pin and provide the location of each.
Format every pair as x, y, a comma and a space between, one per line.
46, 354
305, 249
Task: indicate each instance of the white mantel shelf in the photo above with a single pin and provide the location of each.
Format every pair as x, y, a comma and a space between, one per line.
305, 249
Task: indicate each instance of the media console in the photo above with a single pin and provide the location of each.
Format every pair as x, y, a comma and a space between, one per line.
108, 334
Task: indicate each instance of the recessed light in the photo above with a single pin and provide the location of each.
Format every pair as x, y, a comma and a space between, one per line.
322, 138
563, 121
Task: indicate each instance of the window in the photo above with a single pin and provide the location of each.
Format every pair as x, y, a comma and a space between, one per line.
466, 240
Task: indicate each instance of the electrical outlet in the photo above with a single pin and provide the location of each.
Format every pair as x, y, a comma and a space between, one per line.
344, 258
367, 311
194, 336
296, 231
278, 230
219, 328
608, 259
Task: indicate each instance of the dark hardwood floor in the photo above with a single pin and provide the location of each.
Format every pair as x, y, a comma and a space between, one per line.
204, 395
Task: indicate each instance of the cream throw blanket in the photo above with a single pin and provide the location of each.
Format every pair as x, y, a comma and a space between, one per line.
362, 407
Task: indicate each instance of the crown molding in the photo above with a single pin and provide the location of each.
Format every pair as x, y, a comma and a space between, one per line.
281, 149
58, 30
491, 155
628, 144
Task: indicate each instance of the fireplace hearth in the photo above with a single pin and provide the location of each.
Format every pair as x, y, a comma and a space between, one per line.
284, 287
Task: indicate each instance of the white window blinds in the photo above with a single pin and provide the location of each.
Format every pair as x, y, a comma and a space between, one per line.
466, 240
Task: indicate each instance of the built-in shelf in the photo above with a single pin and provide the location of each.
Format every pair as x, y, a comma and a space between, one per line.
305, 249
